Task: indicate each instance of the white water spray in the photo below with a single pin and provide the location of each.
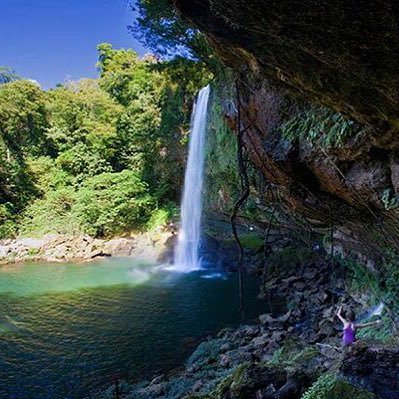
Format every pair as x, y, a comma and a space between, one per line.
186, 253
374, 311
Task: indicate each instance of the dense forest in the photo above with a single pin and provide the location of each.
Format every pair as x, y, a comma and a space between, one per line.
101, 156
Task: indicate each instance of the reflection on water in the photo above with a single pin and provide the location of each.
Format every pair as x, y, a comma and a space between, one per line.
68, 329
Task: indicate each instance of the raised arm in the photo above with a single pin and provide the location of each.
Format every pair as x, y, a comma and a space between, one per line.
371, 323
339, 315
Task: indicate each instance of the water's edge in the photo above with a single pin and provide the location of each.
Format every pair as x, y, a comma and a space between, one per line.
63, 248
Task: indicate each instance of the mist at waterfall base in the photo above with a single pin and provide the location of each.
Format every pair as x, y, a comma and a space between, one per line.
186, 254
68, 329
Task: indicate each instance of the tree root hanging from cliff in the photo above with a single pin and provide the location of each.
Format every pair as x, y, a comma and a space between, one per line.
245, 190
266, 238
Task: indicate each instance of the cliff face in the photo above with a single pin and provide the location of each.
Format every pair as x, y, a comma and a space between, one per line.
343, 54
339, 54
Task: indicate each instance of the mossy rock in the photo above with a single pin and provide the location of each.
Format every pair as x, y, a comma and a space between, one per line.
252, 241
290, 354
249, 378
329, 386
344, 390
233, 382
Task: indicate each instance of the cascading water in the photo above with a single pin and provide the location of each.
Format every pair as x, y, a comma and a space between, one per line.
186, 253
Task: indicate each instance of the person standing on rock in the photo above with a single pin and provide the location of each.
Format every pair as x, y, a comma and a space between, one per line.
350, 327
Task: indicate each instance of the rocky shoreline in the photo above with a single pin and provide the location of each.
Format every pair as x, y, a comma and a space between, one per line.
61, 248
294, 355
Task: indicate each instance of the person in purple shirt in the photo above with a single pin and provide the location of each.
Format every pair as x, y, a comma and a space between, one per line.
350, 327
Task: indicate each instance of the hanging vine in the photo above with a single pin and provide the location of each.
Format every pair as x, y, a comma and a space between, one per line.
245, 190
266, 237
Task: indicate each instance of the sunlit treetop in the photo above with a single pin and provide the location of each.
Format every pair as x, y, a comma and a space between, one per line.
7, 75
160, 28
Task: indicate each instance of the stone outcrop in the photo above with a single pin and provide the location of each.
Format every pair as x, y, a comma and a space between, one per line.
373, 368
341, 54
61, 248
284, 353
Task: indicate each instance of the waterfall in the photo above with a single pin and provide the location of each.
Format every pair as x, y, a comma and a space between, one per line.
186, 253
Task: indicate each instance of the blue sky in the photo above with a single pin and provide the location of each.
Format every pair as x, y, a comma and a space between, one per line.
54, 40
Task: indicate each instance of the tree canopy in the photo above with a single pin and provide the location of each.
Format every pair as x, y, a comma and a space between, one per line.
160, 27
7, 75
99, 156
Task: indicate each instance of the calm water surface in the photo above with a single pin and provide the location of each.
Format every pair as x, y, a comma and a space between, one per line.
67, 329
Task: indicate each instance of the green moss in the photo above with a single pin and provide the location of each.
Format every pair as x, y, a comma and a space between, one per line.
161, 216
233, 382
221, 175
205, 351
252, 241
321, 126
287, 258
292, 355
361, 278
33, 251
379, 285
304, 356
329, 386
8, 225
381, 333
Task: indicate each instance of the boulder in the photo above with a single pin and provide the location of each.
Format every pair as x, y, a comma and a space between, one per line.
373, 368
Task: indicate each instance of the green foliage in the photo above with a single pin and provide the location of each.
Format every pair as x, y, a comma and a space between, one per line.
329, 386
221, 175
161, 28
389, 200
151, 132
83, 120
252, 241
81, 163
381, 333
161, 216
23, 122
288, 355
380, 285
389, 277
362, 278
16, 180
7, 223
47, 174
51, 214
233, 383
113, 203
204, 351
105, 205
321, 388
97, 155
7, 75
23, 118
321, 126
287, 259
124, 76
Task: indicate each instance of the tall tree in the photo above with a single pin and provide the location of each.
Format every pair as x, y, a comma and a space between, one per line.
7, 75
160, 27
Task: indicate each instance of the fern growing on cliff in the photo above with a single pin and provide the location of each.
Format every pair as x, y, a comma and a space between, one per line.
321, 126
329, 386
